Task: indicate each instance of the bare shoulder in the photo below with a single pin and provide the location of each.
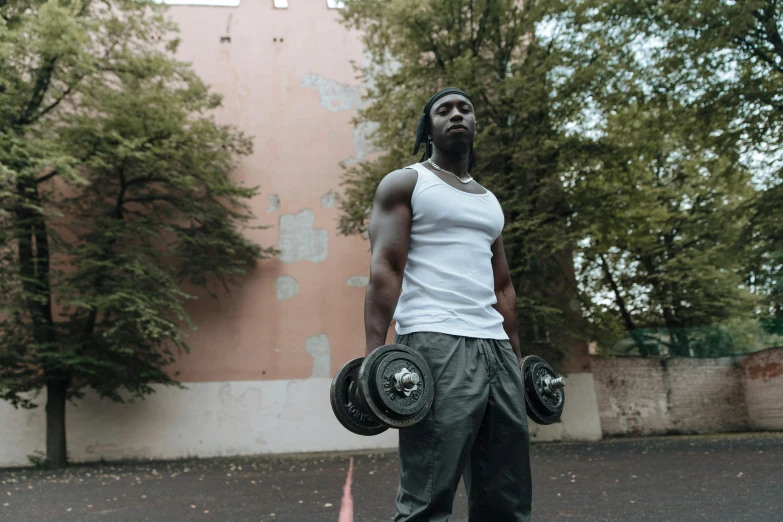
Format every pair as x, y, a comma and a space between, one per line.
396, 187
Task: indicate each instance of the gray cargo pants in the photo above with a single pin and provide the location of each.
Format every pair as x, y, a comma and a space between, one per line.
477, 428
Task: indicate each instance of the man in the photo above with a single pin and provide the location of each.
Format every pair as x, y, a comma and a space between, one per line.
435, 237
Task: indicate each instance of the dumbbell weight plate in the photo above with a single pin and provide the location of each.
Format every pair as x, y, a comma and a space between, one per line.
378, 391
343, 396
544, 405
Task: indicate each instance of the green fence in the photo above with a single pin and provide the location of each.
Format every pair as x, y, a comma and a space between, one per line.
709, 341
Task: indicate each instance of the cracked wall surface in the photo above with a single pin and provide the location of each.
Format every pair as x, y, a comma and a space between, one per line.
299, 241
318, 348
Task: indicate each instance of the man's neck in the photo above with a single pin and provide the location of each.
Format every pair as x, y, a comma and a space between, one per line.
456, 163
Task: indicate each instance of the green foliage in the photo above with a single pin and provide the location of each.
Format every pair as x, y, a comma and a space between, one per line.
720, 62
661, 222
115, 197
38, 460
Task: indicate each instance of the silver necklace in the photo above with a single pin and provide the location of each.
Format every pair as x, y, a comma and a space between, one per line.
463, 181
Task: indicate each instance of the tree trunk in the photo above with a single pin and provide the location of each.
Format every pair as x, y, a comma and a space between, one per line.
55, 424
620, 302
34, 268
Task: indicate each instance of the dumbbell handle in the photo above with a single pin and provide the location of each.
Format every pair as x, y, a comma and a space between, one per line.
410, 380
554, 384
405, 381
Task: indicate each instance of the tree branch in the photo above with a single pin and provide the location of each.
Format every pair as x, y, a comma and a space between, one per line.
42, 80
753, 49
627, 319
47, 177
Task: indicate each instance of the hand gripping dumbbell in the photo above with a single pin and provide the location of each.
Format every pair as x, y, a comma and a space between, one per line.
544, 394
390, 388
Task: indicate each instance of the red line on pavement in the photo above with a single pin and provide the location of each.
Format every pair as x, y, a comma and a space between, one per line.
346, 507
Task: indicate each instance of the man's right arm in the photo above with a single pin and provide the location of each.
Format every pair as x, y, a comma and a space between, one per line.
390, 230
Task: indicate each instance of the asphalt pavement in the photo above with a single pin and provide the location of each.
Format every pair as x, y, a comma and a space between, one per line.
719, 478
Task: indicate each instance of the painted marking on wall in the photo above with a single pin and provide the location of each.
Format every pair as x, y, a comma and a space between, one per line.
358, 281
274, 203
318, 348
766, 371
346, 506
334, 96
286, 287
299, 241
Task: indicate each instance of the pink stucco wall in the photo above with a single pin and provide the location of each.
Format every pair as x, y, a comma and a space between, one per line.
287, 80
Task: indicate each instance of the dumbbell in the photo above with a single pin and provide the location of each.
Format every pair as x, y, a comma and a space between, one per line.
390, 388
544, 394
393, 388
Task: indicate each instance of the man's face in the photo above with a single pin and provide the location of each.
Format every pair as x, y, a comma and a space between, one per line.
453, 123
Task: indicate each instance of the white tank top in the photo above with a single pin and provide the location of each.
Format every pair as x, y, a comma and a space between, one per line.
448, 285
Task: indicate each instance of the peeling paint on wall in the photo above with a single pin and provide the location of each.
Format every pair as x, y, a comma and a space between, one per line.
286, 287
766, 372
298, 239
334, 96
274, 203
358, 281
362, 142
329, 200
319, 349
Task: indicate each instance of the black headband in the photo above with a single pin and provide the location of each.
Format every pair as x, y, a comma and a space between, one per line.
423, 125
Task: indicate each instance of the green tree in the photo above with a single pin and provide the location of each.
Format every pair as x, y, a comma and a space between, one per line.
728, 60
115, 192
489, 48
662, 220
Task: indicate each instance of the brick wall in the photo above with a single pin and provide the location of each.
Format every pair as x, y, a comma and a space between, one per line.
631, 396
638, 396
706, 395
762, 375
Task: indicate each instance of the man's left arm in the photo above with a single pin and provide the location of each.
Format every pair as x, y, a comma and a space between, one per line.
506, 295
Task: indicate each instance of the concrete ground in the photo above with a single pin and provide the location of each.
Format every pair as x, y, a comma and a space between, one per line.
721, 478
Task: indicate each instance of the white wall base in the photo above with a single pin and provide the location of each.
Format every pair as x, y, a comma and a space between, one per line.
204, 420
580, 420
233, 418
